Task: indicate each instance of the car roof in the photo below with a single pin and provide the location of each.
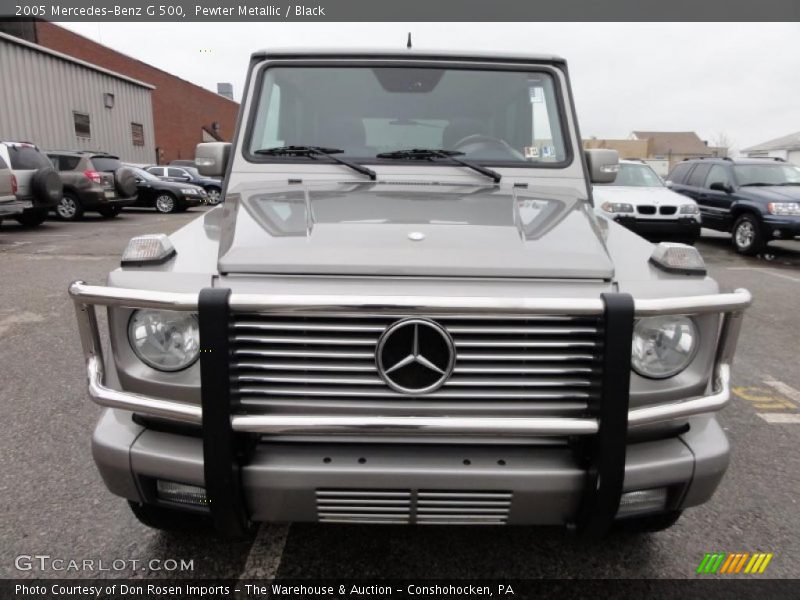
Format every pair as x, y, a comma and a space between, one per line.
413, 54
740, 160
18, 143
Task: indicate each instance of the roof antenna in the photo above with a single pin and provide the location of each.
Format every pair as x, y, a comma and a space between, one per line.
408, 43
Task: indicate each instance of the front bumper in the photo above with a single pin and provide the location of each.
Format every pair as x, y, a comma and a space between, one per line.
13, 207
94, 199
782, 227
588, 490
681, 228
287, 482
190, 201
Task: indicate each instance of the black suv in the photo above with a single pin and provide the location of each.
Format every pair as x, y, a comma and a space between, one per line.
92, 181
756, 199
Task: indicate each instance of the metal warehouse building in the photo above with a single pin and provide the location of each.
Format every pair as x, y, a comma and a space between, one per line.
59, 102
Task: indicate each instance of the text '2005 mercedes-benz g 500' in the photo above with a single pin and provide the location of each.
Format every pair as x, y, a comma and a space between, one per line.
407, 311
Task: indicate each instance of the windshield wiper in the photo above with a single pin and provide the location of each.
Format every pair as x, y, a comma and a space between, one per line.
312, 151
757, 183
789, 183
428, 154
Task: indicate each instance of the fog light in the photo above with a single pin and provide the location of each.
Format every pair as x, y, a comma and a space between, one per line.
641, 502
181, 493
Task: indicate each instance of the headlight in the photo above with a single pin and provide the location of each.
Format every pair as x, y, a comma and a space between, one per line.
189, 191
663, 346
784, 208
689, 209
164, 339
617, 207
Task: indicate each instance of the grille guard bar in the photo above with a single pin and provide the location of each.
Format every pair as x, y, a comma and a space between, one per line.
85, 297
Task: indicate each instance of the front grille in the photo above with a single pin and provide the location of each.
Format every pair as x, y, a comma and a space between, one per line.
462, 508
646, 209
504, 365
424, 507
667, 210
364, 506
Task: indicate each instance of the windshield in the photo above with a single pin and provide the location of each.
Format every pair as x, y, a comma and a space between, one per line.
27, 158
142, 174
106, 163
507, 117
636, 176
776, 174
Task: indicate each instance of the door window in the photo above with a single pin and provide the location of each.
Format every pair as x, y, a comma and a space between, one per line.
176, 173
718, 174
698, 176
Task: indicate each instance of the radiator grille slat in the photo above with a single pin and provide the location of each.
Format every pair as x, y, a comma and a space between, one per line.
424, 507
544, 364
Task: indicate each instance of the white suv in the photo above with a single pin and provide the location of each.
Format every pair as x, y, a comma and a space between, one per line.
639, 200
38, 185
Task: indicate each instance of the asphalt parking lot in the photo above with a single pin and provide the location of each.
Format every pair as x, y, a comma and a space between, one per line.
54, 503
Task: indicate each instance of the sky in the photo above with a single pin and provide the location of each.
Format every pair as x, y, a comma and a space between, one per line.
740, 81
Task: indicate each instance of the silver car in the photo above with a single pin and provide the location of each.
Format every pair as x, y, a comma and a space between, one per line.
407, 311
9, 204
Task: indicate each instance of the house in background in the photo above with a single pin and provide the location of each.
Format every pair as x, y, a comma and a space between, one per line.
662, 150
183, 114
61, 103
786, 147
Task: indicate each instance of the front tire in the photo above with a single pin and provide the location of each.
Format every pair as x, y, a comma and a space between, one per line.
748, 239
166, 203
69, 208
214, 196
169, 519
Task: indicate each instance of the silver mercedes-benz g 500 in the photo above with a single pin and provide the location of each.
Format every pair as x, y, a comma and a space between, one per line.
408, 311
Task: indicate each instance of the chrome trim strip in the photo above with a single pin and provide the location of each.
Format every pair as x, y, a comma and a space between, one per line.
647, 415
287, 304
494, 426
104, 396
85, 296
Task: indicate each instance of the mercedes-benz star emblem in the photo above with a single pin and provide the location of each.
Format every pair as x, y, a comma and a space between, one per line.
415, 356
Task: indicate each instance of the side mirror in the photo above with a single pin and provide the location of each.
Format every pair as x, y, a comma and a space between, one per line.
212, 158
720, 187
603, 165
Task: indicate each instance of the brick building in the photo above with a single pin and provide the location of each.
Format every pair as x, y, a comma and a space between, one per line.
184, 114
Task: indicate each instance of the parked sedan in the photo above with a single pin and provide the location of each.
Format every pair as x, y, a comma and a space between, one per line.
190, 175
166, 196
639, 200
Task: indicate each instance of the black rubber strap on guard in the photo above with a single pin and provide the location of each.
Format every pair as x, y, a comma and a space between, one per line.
220, 448
606, 450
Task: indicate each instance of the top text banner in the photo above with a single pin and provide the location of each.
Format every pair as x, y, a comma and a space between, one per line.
403, 10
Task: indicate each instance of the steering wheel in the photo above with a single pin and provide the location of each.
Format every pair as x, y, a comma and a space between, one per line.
485, 146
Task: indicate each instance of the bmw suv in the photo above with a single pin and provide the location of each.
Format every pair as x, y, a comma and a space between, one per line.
755, 199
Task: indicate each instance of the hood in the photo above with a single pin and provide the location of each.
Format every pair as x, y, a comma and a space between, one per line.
412, 230
658, 196
771, 193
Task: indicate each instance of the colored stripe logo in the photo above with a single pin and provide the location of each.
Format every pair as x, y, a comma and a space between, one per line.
729, 563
